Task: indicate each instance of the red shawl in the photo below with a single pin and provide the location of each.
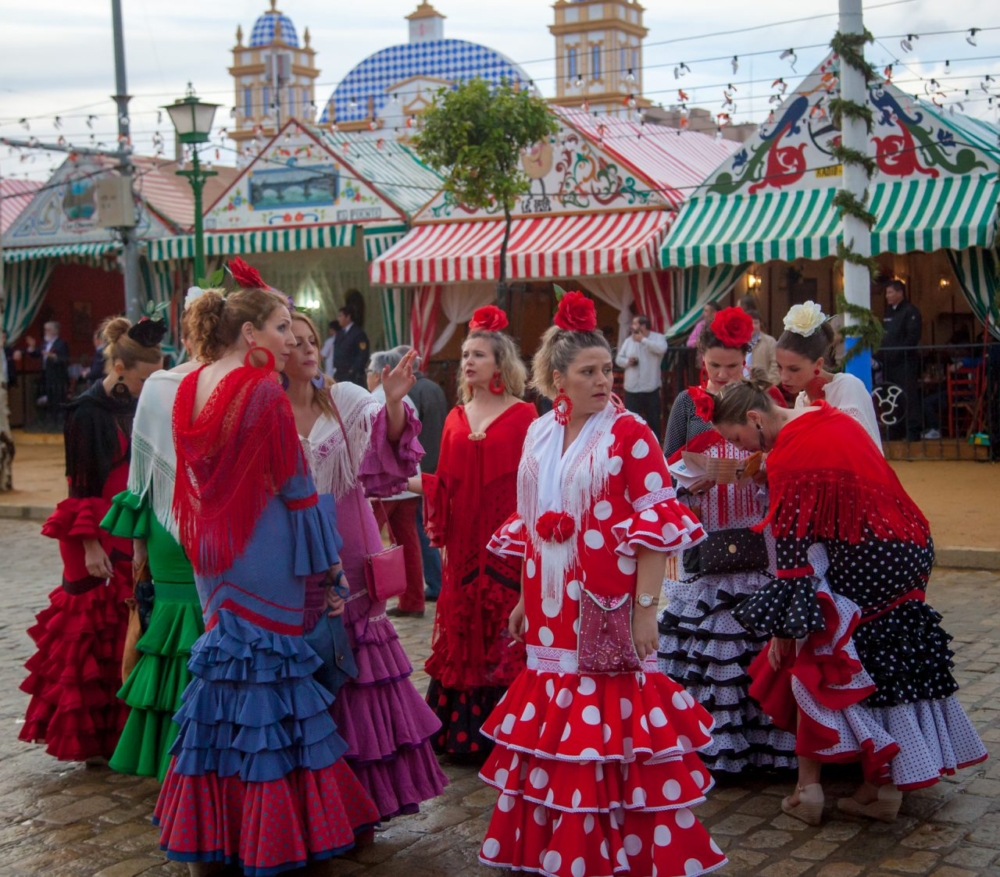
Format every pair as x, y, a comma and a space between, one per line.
231, 459
827, 479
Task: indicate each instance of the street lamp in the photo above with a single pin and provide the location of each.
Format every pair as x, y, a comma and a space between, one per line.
192, 120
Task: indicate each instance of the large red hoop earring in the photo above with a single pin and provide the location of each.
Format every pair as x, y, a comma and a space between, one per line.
269, 360
497, 386
562, 408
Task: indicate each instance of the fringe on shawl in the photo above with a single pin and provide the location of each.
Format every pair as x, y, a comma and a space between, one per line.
837, 505
230, 462
147, 472
334, 470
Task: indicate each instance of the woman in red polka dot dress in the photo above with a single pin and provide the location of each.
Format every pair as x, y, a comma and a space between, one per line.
595, 756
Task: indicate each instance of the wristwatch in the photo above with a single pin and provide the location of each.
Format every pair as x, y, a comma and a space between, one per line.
644, 600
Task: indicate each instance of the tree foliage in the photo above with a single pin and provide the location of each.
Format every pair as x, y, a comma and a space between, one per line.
474, 134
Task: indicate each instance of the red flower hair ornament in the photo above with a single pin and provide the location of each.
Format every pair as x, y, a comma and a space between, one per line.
555, 527
733, 327
576, 313
245, 275
488, 319
704, 402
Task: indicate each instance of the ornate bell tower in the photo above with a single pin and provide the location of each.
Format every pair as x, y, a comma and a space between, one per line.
273, 77
599, 55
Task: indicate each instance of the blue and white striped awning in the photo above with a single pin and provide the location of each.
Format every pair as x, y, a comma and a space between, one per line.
92, 252
241, 243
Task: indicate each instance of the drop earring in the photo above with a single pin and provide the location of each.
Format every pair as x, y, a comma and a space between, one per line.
497, 386
760, 437
562, 408
120, 391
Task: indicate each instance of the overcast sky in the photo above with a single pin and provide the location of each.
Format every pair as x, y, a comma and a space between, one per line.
56, 55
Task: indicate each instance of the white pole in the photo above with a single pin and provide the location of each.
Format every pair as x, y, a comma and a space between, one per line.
857, 237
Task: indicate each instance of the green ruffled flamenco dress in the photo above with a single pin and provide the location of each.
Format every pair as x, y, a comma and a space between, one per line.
153, 689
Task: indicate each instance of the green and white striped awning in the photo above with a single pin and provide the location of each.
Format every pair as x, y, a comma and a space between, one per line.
378, 240
954, 212
91, 252
241, 243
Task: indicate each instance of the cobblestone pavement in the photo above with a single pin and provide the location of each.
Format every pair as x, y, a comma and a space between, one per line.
67, 819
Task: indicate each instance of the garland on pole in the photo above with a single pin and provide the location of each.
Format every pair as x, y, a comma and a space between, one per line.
866, 329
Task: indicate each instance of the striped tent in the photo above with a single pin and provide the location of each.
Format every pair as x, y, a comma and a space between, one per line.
539, 248
243, 243
935, 185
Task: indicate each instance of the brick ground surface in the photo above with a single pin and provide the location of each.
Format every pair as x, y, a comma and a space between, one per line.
67, 819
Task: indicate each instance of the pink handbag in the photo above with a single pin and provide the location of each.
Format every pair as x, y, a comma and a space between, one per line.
385, 570
605, 641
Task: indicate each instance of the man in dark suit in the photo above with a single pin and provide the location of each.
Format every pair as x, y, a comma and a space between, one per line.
903, 326
350, 350
54, 354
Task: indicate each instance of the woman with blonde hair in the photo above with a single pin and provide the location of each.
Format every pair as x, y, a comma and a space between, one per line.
76, 672
257, 779
357, 444
473, 658
596, 750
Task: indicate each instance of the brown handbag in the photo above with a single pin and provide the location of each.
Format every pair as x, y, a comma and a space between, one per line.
133, 633
385, 570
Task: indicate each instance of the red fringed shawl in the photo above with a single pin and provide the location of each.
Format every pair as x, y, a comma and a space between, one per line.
829, 481
231, 460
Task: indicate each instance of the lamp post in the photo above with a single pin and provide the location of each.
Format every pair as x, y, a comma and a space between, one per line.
192, 120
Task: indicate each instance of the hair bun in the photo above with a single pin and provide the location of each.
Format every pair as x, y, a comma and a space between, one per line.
114, 329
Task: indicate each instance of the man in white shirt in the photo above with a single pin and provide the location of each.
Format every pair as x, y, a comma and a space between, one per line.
327, 350
640, 356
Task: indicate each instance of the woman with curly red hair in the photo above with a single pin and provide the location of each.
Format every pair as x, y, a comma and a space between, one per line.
701, 644
596, 750
473, 659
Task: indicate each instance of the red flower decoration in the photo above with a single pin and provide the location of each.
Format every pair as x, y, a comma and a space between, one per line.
733, 327
488, 319
555, 527
245, 276
704, 402
576, 313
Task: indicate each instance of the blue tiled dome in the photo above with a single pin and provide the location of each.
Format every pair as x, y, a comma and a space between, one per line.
264, 27
454, 60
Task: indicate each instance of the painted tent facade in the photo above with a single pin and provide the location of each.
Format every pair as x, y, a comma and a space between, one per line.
601, 199
935, 188
60, 225
309, 211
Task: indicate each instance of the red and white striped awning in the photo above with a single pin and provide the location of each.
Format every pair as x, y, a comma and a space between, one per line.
540, 248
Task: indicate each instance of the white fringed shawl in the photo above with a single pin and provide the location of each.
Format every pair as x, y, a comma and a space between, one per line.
332, 468
550, 480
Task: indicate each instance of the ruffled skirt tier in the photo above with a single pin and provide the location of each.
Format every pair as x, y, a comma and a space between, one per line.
892, 708
597, 775
256, 778
385, 722
75, 673
706, 650
155, 686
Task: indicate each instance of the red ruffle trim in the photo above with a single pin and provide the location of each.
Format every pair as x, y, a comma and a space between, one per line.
532, 837
77, 518
75, 674
511, 539
599, 718
263, 826
665, 526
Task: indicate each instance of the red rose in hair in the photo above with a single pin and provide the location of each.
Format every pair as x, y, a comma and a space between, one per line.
246, 276
704, 403
733, 327
488, 319
576, 313
555, 527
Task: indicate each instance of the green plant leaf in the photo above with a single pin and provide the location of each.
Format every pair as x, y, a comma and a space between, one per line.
560, 292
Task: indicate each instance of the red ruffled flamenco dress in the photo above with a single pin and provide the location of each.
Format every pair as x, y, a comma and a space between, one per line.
75, 674
870, 677
473, 659
597, 772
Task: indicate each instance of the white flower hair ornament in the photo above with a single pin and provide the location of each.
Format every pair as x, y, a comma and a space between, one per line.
804, 319
193, 294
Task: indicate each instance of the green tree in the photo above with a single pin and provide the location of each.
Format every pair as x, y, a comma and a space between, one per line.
474, 135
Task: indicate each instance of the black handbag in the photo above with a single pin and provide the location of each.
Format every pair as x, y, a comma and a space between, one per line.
727, 551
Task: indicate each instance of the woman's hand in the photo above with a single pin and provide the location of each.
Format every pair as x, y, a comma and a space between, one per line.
777, 650
96, 558
516, 623
702, 485
334, 603
645, 636
415, 484
398, 382
139, 553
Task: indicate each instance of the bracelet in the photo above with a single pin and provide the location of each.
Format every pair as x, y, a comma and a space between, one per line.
338, 578
340, 590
